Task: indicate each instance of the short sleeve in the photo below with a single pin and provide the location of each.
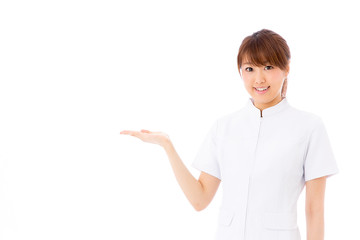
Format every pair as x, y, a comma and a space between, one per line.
206, 159
319, 157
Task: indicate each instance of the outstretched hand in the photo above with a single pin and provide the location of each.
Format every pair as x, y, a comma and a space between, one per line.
147, 136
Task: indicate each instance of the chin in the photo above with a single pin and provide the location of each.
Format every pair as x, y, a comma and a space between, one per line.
262, 99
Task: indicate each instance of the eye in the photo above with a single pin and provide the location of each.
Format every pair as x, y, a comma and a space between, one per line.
269, 67
248, 69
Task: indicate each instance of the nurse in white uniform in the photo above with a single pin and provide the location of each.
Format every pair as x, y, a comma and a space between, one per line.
263, 154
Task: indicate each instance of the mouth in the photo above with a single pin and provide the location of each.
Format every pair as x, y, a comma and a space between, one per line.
262, 90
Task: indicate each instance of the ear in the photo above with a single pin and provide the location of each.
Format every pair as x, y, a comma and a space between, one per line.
288, 68
240, 72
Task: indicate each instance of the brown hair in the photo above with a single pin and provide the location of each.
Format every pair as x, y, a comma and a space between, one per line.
264, 46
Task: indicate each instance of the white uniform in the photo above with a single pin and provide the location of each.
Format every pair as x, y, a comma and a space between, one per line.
263, 163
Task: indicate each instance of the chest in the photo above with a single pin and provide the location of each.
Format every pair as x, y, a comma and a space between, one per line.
266, 148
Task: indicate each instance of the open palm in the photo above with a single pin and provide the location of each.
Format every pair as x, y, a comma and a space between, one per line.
148, 136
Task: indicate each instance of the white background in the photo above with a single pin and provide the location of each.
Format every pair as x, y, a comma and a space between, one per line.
73, 74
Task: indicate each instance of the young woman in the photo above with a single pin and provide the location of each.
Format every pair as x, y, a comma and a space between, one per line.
264, 154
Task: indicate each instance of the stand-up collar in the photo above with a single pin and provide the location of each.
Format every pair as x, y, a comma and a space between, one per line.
267, 111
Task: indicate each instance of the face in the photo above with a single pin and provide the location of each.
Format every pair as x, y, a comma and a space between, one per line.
267, 76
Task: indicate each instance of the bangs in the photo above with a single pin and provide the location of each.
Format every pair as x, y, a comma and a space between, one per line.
257, 58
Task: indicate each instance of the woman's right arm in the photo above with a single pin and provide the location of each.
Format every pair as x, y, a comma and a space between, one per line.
199, 192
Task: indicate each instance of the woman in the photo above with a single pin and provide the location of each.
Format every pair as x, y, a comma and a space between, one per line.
264, 154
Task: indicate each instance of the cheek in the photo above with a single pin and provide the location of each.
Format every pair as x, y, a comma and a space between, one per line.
247, 79
247, 83
275, 79
277, 75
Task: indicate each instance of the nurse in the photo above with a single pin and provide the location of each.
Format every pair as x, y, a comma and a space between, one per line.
264, 154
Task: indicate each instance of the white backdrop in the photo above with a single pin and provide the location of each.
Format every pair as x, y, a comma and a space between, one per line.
73, 74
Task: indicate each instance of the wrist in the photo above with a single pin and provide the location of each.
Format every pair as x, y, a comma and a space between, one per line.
166, 143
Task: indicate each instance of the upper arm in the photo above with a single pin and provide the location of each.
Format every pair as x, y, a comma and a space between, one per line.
210, 185
315, 194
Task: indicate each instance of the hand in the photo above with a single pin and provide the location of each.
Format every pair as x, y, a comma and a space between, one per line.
148, 136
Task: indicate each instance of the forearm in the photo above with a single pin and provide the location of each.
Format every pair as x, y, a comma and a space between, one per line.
189, 184
315, 225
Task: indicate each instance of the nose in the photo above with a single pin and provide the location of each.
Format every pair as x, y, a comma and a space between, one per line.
259, 77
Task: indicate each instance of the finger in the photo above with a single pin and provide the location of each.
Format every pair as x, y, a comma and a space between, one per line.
144, 130
128, 132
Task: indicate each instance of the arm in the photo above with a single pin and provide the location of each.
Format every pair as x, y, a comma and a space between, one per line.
314, 208
198, 192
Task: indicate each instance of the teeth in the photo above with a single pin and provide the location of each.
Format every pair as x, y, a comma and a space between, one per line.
261, 89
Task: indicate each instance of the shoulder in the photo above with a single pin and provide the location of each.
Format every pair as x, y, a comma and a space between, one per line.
303, 117
231, 119
224, 121
230, 116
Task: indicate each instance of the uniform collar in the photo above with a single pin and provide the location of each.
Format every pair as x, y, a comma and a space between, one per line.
267, 111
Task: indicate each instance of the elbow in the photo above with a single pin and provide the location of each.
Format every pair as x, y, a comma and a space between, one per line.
314, 208
201, 201
199, 207
314, 211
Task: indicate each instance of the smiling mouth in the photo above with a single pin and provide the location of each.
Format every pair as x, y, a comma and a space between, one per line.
262, 89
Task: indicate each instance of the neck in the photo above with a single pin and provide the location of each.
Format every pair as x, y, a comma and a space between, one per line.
263, 106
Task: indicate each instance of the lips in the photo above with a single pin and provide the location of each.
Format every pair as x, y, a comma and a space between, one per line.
262, 91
